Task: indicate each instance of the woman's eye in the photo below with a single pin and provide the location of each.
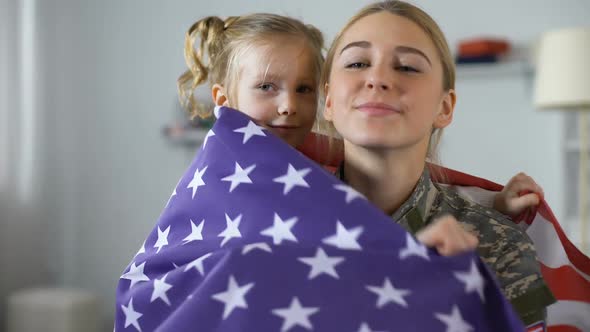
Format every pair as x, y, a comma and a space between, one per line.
357, 65
407, 69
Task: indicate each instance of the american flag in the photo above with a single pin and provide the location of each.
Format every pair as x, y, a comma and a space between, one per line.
256, 237
565, 268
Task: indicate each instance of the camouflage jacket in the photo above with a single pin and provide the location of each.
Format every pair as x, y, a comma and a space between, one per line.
503, 246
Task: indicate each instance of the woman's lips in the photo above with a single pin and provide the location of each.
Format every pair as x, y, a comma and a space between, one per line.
378, 109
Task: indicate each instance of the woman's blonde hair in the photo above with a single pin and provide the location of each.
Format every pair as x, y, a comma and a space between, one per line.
220, 43
432, 30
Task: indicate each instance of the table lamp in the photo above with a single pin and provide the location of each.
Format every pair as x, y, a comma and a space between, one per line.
563, 83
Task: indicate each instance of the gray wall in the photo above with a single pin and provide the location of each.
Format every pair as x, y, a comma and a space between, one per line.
107, 72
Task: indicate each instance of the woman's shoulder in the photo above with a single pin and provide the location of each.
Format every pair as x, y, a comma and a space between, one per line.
481, 217
505, 247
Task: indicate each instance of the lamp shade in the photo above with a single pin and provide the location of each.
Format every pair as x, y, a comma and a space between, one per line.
563, 69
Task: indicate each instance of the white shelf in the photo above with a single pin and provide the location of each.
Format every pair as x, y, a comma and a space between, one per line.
193, 137
499, 69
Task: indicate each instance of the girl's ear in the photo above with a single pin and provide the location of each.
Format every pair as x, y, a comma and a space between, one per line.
447, 108
328, 110
219, 95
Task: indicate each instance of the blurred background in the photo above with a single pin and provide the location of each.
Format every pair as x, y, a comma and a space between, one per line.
86, 88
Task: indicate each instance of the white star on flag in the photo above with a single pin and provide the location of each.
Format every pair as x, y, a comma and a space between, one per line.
345, 239
231, 229
281, 230
174, 193
162, 239
365, 328
351, 194
295, 315
141, 250
197, 180
160, 289
454, 321
210, 133
387, 293
413, 248
198, 264
135, 274
240, 176
250, 130
322, 264
293, 178
131, 316
253, 246
196, 232
233, 297
473, 281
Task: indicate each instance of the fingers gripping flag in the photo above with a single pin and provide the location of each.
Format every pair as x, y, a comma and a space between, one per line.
256, 237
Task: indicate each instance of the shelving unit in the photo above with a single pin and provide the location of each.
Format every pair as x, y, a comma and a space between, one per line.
498, 69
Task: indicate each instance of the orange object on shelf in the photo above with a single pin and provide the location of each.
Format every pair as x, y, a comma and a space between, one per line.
483, 46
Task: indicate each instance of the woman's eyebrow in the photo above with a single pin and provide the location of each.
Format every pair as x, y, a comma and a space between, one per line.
362, 44
408, 49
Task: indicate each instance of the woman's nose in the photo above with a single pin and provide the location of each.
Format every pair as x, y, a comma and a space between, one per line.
378, 83
378, 79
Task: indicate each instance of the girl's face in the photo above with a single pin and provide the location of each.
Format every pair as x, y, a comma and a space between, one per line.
277, 87
385, 87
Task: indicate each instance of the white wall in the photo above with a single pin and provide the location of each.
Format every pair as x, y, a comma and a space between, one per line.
110, 70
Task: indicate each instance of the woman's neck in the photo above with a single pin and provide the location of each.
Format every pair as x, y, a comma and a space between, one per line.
386, 178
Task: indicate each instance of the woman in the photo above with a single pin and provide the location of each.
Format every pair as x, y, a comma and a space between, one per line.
389, 91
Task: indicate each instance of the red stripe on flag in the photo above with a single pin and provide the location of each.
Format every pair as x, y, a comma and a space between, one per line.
566, 283
580, 261
563, 328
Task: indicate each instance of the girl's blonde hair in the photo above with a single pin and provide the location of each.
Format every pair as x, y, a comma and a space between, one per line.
220, 43
432, 30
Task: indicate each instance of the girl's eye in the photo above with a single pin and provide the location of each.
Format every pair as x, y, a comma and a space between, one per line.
357, 65
304, 89
265, 87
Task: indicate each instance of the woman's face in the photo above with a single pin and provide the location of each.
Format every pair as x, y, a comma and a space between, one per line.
385, 87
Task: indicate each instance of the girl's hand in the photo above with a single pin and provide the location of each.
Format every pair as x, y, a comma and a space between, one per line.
510, 200
447, 236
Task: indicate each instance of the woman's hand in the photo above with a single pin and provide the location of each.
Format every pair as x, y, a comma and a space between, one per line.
447, 236
508, 200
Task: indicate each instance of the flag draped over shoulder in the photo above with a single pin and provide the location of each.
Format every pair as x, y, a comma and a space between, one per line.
566, 269
257, 237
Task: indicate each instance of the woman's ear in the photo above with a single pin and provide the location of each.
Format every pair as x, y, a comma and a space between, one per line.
327, 104
219, 95
447, 108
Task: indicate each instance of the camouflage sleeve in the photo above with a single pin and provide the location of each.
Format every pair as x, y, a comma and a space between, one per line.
519, 274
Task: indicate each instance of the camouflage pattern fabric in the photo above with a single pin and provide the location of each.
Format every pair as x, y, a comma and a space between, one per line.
503, 246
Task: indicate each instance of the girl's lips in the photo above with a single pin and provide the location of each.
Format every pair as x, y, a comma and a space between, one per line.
283, 130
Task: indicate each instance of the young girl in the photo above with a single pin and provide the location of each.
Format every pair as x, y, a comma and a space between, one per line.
389, 83
268, 67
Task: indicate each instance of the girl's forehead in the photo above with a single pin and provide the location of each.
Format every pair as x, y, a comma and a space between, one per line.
278, 55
